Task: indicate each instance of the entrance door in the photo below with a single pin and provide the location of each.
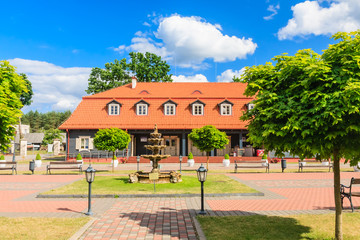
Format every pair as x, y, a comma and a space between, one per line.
172, 144
141, 141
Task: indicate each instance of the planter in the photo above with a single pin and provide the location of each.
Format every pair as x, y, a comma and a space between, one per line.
38, 163
265, 163
115, 162
226, 162
2, 165
302, 163
357, 168
80, 162
190, 162
325, 163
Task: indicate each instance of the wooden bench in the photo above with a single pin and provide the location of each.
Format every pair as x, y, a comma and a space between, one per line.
313, 163
9, 166
63, 166
252, 164
349, 194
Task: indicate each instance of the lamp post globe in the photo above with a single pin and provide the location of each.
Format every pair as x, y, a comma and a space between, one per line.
201, 173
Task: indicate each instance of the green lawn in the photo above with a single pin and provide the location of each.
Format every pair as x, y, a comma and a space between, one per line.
275, 227
40, 228
119, 185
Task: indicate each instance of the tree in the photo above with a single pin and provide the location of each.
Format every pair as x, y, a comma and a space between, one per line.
147, 68
207, 139
111, 139
25, 97
309, 104
51, 135
12, 85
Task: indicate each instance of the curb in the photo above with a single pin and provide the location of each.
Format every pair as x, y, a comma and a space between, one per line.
148, 195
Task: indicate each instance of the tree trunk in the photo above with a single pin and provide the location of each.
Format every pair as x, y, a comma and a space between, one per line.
207, 160
20, 136
338, 210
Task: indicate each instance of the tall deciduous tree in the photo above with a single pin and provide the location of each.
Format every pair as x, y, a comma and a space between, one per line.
111, 139
12, 85
147, 68
25, 97
207, 139
309, 104
51, 135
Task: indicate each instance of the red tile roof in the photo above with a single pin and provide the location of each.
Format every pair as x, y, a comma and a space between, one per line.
92, 111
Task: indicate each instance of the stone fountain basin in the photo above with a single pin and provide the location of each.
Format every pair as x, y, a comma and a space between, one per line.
164, 177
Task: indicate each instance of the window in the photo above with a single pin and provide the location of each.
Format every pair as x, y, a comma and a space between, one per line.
141, 109
114, 109
251, 106
169, 109
198, 109
84, 143
225, 109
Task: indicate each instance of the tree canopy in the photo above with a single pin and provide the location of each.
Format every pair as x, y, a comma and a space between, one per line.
308, 104
207, 139
12, 85
44, 121
111, 139
146, 67
51, 135
26, 96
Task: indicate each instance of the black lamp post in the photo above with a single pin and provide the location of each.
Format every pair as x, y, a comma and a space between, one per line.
138, 161
180, 159
201, 174
90, 176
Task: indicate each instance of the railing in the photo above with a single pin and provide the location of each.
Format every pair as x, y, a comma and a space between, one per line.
97, 154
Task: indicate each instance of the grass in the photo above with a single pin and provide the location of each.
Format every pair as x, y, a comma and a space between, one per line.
40, 228
304, 226
120, 185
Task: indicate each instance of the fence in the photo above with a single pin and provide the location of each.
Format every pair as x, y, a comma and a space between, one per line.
97, 154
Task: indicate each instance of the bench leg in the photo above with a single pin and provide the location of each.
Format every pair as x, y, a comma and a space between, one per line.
352, 207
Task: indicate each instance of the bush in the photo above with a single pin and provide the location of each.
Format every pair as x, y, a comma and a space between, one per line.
2, 157
190, 156
38, 157
79, 157
226, 156
114, 157
264, 156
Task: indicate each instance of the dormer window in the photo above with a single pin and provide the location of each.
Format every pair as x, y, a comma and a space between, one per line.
197, 108
114, 107
226, 108
251, 106
142, 108
169, 107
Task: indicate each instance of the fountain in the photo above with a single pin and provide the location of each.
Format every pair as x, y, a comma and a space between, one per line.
163, 176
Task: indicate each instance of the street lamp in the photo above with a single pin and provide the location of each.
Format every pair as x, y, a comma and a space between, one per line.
201, 174
90, 176
180, 159
138, 161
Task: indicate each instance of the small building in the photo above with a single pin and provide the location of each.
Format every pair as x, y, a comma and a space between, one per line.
176, 108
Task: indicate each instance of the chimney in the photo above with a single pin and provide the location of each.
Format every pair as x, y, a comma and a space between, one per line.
133, 82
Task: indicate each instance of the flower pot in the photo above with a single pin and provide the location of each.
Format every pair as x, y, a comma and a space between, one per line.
264, 162
357, 168
80, 162
226, 162
115, 162
37, 163
2, 165
325, 163
190, 162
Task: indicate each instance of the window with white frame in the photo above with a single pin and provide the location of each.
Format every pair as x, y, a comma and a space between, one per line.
225, 109
114, 109
169, 109
141, 109
84, 143
198, 109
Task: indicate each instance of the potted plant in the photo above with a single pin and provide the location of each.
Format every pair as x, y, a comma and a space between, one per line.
38, 160
264, 160
2, 159
226, 160
190, 160
114, 161
79, 159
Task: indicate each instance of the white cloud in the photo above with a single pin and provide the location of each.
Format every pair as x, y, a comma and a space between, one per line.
59, 87
188, 41
274, 10
195, 78
227, 76
310, 17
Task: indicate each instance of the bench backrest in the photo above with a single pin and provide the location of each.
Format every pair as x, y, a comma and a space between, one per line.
8, 163
355, 181
63, 163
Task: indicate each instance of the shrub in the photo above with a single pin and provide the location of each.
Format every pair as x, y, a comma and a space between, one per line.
38, 157
2, 157
226, 156
79, 157
190, 156
264, 156
114, 157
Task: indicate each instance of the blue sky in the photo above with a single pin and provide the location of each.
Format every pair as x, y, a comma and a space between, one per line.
56, 43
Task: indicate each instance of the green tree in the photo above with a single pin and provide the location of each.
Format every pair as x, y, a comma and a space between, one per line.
111, 139
207, 139
309, 104
51, 135
12, 85
147, 68
25, 97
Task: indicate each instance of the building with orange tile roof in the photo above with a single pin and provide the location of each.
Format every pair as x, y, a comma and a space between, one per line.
176, 108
